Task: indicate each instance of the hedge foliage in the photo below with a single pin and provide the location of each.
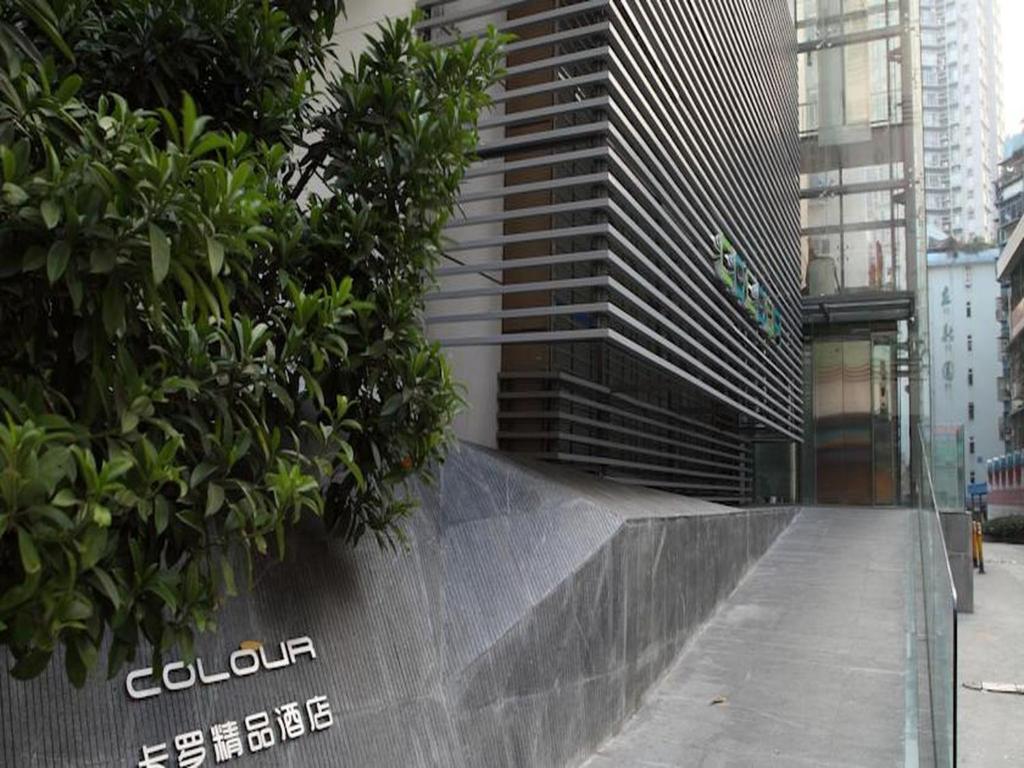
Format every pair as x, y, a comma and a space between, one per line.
1009, 529
191, 358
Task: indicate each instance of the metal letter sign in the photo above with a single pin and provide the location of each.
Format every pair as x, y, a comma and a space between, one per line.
275, 725
178, 676
746, 290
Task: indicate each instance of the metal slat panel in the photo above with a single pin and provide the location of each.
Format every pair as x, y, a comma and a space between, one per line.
626, 135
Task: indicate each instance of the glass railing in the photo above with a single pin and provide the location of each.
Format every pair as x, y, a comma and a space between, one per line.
936, 603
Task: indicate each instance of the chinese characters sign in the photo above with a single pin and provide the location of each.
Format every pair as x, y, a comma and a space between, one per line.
257, 731
262, 731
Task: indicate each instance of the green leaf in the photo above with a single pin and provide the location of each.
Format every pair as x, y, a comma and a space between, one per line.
279, 535
59, 520
50, 212
43, 16
101, 516
29, 554
208, 143
113, 309
57, 260
186, 643
93, 545
34, 258
214, 499
68, 88
8, 162
31, 665
160, 252
53, 467
15, 596
108, 587
200, 473
75, 667
159, 587
229, 575
103, 259
188, 119
215, 252
13, 194
162, 514
129, 421
392, 404
116, 658
79, 609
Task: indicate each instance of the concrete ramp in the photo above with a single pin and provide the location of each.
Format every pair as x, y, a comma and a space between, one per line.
530, 615
808, 663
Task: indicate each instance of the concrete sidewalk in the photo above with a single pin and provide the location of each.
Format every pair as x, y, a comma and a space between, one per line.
804, 665
990, 643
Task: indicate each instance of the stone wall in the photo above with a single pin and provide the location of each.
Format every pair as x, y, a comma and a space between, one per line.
523, 625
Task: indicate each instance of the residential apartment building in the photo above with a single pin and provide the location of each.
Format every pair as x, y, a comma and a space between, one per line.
961, 75
1005, 472
963, 294
865, 314
1010, 204
1010, 188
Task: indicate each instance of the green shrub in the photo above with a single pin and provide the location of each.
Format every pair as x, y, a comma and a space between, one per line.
1009, 529
190, 358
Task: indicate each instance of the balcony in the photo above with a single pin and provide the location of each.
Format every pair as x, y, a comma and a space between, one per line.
1002, 388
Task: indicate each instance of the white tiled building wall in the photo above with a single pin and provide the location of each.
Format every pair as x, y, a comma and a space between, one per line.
962, 79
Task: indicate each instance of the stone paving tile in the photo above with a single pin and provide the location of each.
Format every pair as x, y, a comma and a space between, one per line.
989, 650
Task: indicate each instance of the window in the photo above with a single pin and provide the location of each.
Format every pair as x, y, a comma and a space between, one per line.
970, 343
970, 416
968, 309
970, 377
970, 446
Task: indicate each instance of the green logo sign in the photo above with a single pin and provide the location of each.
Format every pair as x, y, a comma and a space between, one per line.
746, 290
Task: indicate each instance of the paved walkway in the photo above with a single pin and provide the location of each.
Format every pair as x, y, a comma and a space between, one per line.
990, 643
805, 660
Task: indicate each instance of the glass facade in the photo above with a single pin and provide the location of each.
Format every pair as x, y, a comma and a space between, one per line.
862, 253
853, 141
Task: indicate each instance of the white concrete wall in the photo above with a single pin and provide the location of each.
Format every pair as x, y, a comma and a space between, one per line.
362, 17
952, 283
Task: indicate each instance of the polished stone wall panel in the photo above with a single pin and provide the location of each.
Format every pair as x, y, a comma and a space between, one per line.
529, 615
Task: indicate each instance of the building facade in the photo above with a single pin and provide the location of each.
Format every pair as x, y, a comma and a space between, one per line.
622, 287
963, 295
864, 278
961, 71
1010, 188
1010, 203
1006, 473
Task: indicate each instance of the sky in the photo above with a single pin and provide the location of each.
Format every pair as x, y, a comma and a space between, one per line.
1013, 67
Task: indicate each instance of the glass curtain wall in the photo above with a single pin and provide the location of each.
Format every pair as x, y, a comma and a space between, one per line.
861, 161
852, 110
